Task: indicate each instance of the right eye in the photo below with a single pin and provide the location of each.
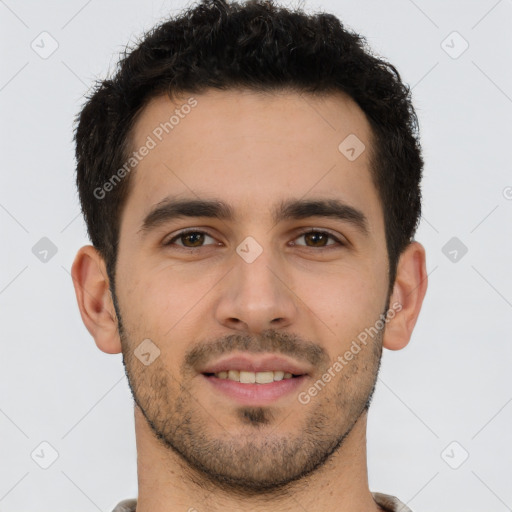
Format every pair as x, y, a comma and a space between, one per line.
193, 237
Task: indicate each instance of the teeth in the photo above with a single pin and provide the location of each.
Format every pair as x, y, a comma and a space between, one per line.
253, 377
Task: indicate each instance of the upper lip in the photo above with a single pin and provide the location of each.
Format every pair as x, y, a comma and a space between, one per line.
256, 364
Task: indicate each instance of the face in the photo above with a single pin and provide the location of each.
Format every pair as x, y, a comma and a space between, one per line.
284, 257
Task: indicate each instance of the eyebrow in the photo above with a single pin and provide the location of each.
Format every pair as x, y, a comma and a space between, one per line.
171, 208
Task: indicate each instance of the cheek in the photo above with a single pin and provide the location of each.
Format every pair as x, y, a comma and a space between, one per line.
346, 301
160, 300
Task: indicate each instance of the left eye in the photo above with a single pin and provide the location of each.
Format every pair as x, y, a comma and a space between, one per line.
318, 238
196, 239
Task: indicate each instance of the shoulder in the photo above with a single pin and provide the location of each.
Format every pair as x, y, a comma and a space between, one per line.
390, 503
126, 506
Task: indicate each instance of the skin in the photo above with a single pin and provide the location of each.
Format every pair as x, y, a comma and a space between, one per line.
251, 151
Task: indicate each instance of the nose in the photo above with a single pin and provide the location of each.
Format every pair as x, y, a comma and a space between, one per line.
256, 296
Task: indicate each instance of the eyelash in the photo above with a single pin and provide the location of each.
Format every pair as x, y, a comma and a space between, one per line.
302, 233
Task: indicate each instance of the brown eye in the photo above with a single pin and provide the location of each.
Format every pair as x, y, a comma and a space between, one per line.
319, 239
195, 239
189, 239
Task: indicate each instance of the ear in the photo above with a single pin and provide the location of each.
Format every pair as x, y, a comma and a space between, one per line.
408, 291
95, 300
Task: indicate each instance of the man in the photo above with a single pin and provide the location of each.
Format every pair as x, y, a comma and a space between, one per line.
250, 180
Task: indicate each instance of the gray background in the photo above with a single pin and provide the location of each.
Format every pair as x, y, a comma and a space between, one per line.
451, 384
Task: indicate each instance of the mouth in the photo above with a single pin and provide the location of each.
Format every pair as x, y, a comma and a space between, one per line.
247, 377
247, 368
254, 393
255, 381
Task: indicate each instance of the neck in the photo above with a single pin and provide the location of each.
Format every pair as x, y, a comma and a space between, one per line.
166, 482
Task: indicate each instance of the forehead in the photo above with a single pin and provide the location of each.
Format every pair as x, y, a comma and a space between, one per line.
253, 150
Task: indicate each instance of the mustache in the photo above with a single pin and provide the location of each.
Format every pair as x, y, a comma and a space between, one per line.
270, 340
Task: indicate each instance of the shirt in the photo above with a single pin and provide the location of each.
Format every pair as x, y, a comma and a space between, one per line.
387, 502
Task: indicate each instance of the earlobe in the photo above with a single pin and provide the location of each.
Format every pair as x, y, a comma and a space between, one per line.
408, 292
95, 303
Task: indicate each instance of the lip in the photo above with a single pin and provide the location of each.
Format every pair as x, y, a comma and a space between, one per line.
265, 363
255, 394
